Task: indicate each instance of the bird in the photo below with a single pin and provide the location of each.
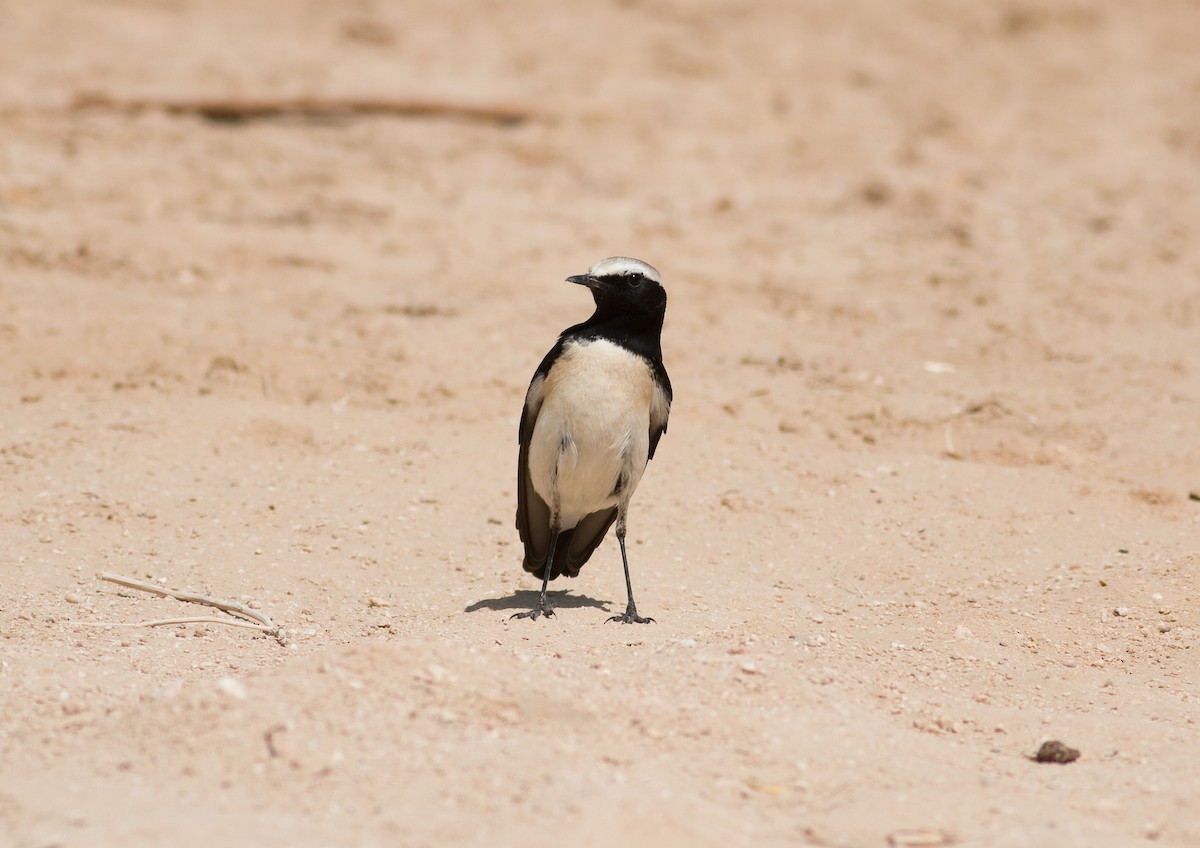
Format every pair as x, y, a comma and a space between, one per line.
594, 413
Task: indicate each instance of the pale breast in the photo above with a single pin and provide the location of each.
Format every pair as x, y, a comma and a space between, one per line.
593, 427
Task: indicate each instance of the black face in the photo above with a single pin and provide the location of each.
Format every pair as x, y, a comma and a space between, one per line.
629, 292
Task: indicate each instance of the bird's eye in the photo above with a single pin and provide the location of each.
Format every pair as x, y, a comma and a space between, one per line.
636, 281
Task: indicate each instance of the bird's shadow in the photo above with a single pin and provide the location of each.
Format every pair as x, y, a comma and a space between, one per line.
526, 599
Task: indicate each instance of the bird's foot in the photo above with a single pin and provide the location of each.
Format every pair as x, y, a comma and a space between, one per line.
630, 617
541, 609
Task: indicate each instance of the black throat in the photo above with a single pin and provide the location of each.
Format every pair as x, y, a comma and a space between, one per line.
640, 333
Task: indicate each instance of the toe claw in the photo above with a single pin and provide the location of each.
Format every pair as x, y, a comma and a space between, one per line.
630, 617
533, 614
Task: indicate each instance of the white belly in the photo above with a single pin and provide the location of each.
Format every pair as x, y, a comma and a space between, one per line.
593, 429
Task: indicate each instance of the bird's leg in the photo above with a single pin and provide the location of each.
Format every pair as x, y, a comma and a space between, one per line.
542, 607
631, 615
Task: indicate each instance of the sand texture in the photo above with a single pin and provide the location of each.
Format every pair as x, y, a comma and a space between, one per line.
274, 278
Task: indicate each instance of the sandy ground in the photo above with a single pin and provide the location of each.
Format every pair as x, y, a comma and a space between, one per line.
929, 495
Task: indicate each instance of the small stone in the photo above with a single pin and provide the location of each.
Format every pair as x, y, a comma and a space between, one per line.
749, 668
1121, 612
72, 598
1053, 751
377, 602
1165, 627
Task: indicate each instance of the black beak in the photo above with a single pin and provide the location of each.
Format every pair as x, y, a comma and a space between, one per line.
584, 280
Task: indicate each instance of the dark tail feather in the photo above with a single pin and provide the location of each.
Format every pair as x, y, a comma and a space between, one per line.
560, 565
575, 546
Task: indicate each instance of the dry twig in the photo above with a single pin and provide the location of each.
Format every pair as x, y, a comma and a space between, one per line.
252, 619
238, 110
198, 619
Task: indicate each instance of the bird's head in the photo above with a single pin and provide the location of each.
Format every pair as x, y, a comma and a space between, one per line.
623, 285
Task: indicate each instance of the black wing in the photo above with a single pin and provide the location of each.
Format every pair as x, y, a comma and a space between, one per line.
660, 404
533, 514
